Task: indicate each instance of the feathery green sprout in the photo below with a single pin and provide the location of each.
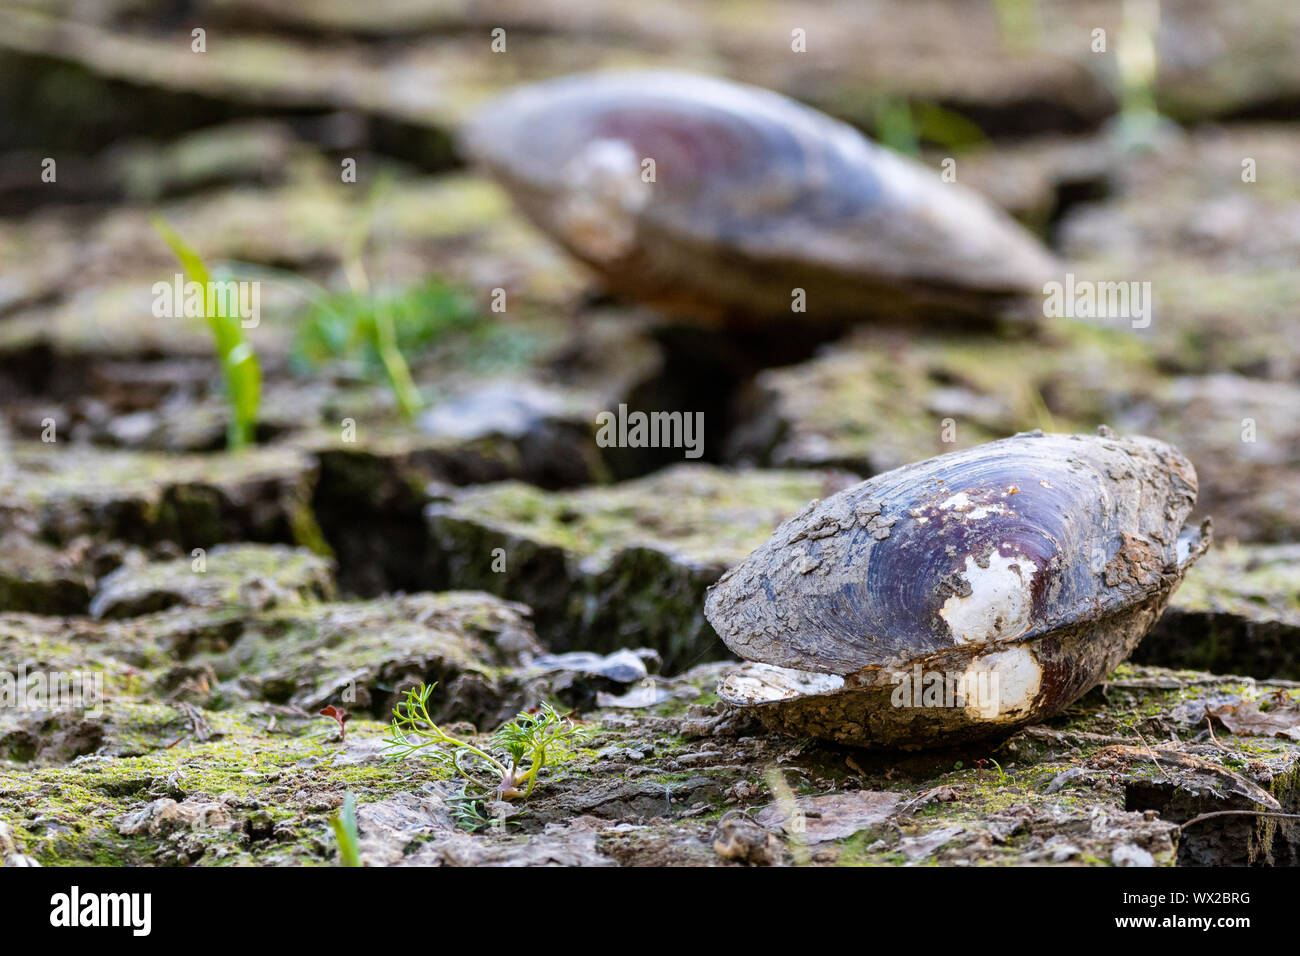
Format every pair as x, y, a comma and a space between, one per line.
467, 812
239, 366
516, 756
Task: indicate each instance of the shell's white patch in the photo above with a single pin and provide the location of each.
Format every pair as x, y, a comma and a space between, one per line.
1000, 601
1003, 684
603, 196
961, 503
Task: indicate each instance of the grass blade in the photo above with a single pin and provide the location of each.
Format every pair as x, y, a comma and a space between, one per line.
344, 824
239, 366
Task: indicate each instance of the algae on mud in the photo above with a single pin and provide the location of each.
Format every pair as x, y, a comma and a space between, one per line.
605, 568
652, 786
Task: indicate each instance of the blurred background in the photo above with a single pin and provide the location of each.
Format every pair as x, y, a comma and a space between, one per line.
1118, 132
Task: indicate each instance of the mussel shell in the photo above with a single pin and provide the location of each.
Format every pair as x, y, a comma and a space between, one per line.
753, 195
1043, 558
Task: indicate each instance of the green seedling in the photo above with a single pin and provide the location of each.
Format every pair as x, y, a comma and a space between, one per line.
1002, 774
380, 330
344, 824
515, 758
239, 366
377, 329
467, 813
903, 126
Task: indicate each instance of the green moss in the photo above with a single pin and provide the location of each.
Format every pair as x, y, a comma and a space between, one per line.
879, 400
192, 500
230, 577
707, 513
603, 562
1251, 582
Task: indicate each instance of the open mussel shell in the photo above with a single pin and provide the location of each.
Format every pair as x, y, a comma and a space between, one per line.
959, 597
712, 197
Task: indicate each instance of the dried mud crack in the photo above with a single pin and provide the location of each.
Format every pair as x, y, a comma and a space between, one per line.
207, 749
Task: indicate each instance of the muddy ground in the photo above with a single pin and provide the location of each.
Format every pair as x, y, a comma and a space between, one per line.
220, 600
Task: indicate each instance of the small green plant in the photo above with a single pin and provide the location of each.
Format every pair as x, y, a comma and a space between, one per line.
1002, 774
239, 366
344, 824
903, 126
381, 329
516, 756
467, 812
376, 329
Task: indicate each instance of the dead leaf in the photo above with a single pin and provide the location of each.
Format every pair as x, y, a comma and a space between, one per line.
1245, 717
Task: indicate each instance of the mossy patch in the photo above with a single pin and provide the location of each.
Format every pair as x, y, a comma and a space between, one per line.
608, 566
227, 576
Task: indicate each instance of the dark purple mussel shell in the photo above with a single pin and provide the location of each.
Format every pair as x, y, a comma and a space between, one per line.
1020, 572
752, 196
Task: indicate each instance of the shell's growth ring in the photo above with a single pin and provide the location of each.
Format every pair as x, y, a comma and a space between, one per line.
700, 195
961, 596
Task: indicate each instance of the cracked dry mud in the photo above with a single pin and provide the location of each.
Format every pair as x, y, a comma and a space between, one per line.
208, 749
